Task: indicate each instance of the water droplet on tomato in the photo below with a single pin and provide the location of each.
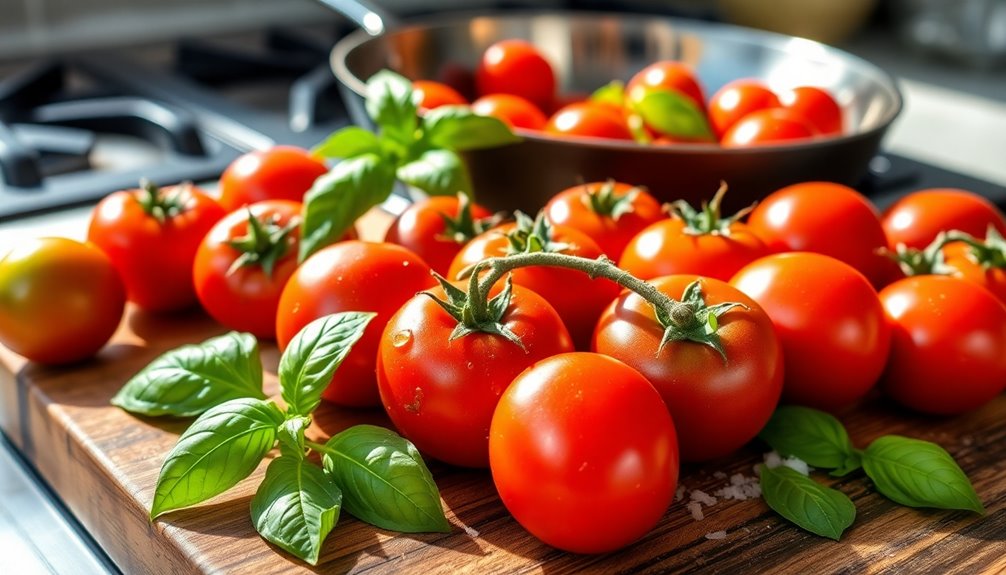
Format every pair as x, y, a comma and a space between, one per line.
471, 365
401, 338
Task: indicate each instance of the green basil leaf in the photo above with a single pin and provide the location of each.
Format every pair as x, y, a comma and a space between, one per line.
458, 128
853, 461
811, 435
918, 473
291, 436
821, 510
188, 380
296, 507
223, 446
390, 105
611, 93
384, 480
313, 355
348, 143
438, 173
670, 112
337, 198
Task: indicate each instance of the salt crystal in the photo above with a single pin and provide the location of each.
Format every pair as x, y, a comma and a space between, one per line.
695, 508
471, 531
716, 535
702, 497
680, 493
796, 464
719, 475
772, 460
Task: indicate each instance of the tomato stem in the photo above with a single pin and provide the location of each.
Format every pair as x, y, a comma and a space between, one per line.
158, 205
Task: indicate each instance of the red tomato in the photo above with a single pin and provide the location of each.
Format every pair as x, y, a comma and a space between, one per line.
60, 300
516, 67
429, 95
436, 229
829, 219
441, 393
960, 261
610, 213
717, 405
279, 173
586, 119
515, 111
672, 76
917, 218
244, 296
948, 337
151, 236
816, 107
831, 324
736, 100
352, 276
583, 453
766, 127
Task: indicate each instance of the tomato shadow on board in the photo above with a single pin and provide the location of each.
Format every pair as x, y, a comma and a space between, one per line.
187, 326
88, 383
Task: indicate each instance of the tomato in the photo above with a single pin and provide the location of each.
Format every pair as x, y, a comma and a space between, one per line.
610, 213
244, 295
151, 236
436, 228
430, 95
948, 337
831, 324
279, 173
352, 276
516, 67
736, 100
766, 127
587, 119
717, 405
441, 392
917, 218
989, 271
829, 219
60, 300
672, 76
583, 453
515, 111
816, 107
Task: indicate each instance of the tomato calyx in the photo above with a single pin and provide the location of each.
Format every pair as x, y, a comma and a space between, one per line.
264, 244
927, 261
158, 205
604, 202
530, 236
990, 254
463, 227
487, 319
709, 220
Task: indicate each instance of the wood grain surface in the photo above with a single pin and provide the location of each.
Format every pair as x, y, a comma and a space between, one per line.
104, 463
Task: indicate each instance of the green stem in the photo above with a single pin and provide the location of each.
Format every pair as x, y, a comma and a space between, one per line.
320, 448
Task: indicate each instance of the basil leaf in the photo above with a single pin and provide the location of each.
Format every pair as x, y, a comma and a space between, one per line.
291, 436
611, 93
853, 461
188, 380
821, 510
313, 355
918, 473
384, 480
337, 198
438, 173
390, 105
223, 446
811, 435
458, 128
296, 507
348, 143
670, 112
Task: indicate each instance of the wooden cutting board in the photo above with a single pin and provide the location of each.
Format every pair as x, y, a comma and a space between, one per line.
104, 462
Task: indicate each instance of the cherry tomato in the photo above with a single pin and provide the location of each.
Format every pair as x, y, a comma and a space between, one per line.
279, 173
766, 127
244, 295
583, 453
816, 107
736, 100
441, 392
960, 261
610, 213
948, 337
587, 119
670, 75
829, 219
352, 276
831, 324
430, 95
151, 236
516, 67
515, 111
436, 228
917, 218
717, 405
60, 300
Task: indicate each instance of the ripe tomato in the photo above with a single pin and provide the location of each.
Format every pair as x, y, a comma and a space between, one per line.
516, 67
241, 266
736, 100
351, 276
948, 337
441, 393
610, 213
831, 324
917, 218
515, 111
672, 76
586, 119
816, 107
766, 127
279, 173
985, 269
437, 227
151, 236
60, 300
717, 405
829, 219
429, 95
583, 453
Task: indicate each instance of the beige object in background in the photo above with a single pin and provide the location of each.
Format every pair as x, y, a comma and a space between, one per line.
828, 21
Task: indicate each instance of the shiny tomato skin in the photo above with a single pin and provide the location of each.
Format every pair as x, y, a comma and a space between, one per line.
671, 75
958, 260
516, 67
421, 228
430, 95
154, 258
588, 120
60, 300
771, 126
583, 453
441, 393
736, 100
816, 107
515, 111
245, 299
278, 173
352, 276
917, 218
829, 219
834, 337
948, 337
717, 406
571, 207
